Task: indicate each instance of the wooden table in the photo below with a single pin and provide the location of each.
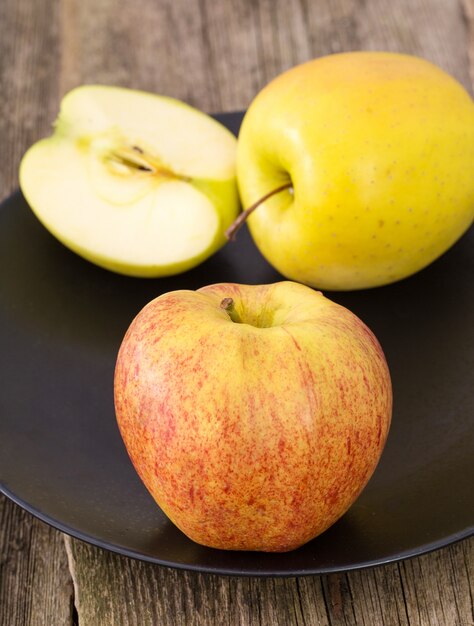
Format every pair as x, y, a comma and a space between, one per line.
215, 55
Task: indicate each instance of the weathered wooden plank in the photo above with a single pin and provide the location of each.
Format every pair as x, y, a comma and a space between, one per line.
218, 55
35, 583
152, 595
426, 591
28, 80
467, 9
437, 586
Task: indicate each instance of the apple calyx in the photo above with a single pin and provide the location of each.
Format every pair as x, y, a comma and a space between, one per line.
229, 307
231, 232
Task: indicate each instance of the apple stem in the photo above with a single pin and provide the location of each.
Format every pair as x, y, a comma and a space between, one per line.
228, 305
231, 232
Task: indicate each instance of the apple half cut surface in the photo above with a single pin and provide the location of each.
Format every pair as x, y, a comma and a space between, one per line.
137, 183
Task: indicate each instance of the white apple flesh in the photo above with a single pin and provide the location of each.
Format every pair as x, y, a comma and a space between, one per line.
138, 183
254, 415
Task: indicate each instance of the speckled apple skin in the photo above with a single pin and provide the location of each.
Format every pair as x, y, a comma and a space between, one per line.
252, 438
379, 148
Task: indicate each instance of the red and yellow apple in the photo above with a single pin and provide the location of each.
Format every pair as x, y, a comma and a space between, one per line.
254, 415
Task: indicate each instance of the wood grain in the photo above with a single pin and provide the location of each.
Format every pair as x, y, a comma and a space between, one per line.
432, 589
216, 56
35, 582
29, 64
468, 12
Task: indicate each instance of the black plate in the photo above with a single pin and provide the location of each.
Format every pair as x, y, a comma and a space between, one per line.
61, 323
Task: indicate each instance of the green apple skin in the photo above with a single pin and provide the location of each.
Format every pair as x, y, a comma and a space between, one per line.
255, 428
98, 212
379, 148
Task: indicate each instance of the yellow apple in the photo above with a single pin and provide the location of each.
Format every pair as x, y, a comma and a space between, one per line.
138, 183
254, 415
377, 150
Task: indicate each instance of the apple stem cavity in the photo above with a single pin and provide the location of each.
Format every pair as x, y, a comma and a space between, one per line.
229, 307
231, 232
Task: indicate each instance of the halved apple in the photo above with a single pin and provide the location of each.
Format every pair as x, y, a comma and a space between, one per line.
137, 183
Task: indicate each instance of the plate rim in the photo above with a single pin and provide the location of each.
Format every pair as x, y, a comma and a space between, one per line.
421, 550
